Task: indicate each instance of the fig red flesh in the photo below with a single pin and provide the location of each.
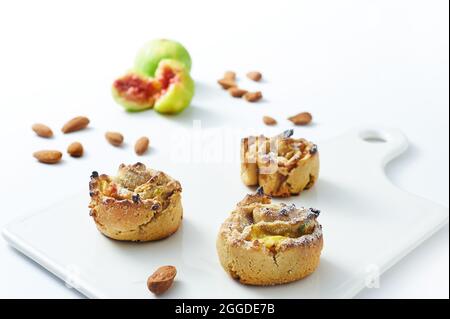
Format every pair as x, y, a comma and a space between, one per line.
135, 88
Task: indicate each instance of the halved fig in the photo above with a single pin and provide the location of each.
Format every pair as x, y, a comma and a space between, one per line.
177, 87
171, 90
135, 92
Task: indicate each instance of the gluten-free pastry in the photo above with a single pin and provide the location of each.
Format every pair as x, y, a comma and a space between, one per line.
262, 243
281, 165
139, 204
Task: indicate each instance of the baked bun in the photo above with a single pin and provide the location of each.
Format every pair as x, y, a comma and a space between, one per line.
139, 204
281, 165
262, 243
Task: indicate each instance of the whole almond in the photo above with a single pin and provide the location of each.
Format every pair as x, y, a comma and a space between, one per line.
75, 149
75, 124
269, 120
227, 83
42, 130
162, 279
141, 145
254, 75
114, 138
230, 75
253, 96
303, 118
237, 92
48, 156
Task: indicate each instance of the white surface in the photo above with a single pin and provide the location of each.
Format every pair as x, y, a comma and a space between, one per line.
348, 62
364, 234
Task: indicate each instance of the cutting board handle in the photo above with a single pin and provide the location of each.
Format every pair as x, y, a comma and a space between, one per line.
379, 143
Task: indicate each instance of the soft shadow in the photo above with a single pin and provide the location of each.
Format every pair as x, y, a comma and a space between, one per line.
409, 261
316, 285
207, 116
144, 250
399, 163
330, 196
170, 248
207, 91
205, 106
26, 259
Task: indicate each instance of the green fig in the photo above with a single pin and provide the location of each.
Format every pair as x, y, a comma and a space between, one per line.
153, 52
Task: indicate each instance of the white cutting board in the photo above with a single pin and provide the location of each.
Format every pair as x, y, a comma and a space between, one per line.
368, 223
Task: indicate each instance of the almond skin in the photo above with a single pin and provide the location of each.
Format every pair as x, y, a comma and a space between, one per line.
230, 75
237, 92
253, 96
114, 138
75, 149
303, 118
48, 156
227, 83
42, 130
162, 279
141, 145
75, 124
254, 75
269, 120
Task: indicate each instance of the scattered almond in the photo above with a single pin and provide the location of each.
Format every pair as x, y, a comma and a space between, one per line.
141, 145
253, 96
42, 130
303, 118
254, 75
48, 156
114, 138
75, 149
227, 83
269, 120
75, 124
237, 92
162, 279
230, 75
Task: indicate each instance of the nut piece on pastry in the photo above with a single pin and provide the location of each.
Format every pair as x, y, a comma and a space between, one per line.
281, 165
139, 204
262, 243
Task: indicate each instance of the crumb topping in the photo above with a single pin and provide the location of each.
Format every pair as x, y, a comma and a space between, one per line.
257, 223
282, 150
135, 184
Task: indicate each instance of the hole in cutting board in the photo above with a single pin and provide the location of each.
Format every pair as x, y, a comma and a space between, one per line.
372, 137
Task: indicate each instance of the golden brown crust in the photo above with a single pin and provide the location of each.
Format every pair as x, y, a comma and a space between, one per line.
282, 165
138, 204
262, 243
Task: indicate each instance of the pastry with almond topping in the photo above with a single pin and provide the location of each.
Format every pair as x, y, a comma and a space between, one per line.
281, 165
262, 243
139, 204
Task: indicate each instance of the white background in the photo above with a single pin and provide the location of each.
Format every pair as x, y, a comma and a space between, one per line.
348, 62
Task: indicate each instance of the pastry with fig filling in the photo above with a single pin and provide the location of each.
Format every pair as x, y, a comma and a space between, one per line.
281, 165
138, 204
263, 243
